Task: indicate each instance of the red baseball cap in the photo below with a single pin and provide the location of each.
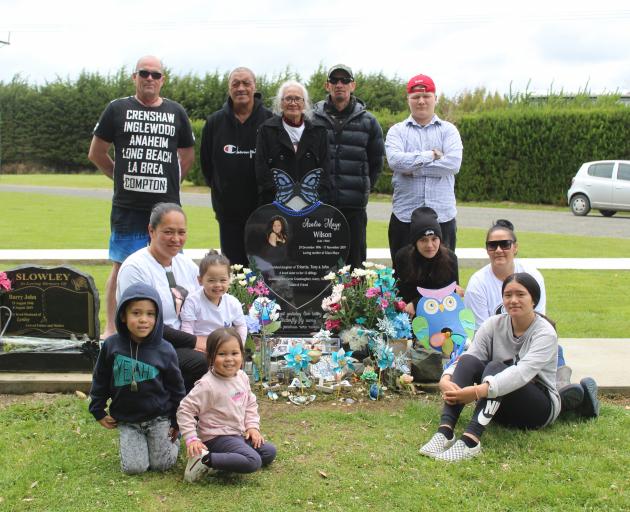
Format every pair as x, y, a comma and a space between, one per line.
423, 81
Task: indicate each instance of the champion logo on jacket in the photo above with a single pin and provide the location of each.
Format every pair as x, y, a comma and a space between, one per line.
231, 149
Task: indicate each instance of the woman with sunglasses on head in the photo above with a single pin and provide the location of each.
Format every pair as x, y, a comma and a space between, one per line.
483, 293
509, 371
290, 142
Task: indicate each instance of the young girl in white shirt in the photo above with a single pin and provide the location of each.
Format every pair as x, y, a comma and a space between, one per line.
227, 435
211, 307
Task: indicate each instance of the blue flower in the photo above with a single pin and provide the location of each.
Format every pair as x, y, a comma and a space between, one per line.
253, 326
297, 358
360, 320
341, 360
385, 357
401, 325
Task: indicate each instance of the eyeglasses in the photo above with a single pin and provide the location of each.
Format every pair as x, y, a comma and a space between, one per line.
293, 99
493, 245
335, 80
156, 75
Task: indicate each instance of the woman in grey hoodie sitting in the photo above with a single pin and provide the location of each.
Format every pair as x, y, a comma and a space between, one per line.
509, 370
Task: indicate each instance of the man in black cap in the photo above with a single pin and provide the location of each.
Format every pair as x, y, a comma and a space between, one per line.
356, 151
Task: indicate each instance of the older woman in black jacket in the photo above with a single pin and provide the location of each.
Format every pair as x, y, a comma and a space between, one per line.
290, 142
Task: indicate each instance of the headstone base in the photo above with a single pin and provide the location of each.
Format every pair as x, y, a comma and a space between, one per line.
79, 359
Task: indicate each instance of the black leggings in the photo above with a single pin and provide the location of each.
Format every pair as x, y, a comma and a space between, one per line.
193, 364
527, 407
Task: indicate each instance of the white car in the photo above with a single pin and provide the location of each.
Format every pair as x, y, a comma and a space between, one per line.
603, 185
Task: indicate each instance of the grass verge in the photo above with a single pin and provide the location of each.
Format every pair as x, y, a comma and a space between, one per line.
40, 221
331, 456
579, 301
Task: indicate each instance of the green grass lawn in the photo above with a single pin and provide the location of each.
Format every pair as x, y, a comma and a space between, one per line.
581, 301
56, 457
41, 221
96, 179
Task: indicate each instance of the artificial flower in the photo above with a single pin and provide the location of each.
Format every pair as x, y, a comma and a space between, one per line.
341, 361
332, 325
5, 282
297, 358
385, 357
372, 292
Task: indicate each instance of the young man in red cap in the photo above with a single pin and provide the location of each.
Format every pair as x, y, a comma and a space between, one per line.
424, 153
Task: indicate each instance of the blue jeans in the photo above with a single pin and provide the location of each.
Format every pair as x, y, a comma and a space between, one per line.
146, 445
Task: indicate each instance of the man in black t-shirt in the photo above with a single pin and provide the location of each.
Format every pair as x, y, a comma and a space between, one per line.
153, 152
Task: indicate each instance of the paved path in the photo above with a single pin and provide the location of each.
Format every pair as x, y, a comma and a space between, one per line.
603, 359
468, 217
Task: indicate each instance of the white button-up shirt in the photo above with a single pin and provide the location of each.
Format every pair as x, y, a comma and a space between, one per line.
418, 179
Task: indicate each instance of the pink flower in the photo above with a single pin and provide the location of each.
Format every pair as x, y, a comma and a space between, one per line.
261, 289
332, 325
5, 282
372, 292
335, 307
400, 305
383, 303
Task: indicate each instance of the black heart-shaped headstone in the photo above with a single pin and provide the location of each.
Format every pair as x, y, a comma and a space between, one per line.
294, 257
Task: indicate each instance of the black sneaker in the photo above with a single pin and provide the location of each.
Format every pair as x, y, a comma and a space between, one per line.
590, 404
571, 397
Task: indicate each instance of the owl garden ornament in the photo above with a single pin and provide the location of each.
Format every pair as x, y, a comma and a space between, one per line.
442, 323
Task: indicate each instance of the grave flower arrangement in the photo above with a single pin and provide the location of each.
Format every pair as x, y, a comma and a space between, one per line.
246, 285
364, 308
367, 298
261, 313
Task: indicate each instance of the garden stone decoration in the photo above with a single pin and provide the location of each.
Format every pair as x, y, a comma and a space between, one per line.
50, 320
294, 242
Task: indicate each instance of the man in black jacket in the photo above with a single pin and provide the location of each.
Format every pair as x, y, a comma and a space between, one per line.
228, 151
356, 152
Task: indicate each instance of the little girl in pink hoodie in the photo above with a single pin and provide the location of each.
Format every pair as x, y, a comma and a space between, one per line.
227, 436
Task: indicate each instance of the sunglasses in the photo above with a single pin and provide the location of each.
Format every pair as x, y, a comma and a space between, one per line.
335, 80
156, 75
495, 244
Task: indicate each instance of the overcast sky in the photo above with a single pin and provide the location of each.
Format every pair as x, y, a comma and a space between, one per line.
565, 45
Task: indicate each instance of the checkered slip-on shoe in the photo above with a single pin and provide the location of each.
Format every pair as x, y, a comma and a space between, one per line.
590, 404
195, 469
459, 451
571, 397
437, 445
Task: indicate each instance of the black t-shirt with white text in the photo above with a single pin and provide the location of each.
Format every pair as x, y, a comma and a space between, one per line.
146, 139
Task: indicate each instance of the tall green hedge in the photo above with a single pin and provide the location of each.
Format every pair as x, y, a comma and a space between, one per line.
513, 149
531, 155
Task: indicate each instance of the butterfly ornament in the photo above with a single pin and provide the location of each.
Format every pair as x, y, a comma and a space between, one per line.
300, 195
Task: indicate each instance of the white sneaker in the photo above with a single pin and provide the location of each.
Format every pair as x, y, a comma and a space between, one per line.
459, 451
437, 445
195, 469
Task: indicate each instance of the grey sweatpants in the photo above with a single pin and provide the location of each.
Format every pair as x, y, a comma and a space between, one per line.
146, 445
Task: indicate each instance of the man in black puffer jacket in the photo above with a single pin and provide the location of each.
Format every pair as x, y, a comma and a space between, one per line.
356, 153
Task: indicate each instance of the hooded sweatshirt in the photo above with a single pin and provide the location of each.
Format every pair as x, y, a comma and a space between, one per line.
228, 151
152, 364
